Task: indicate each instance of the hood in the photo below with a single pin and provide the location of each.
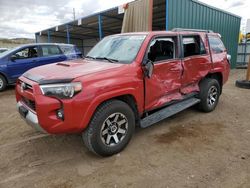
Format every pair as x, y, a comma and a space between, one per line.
67, 71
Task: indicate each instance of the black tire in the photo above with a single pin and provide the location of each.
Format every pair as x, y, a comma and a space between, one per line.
3, 83
243, 84
95, 136
209, 94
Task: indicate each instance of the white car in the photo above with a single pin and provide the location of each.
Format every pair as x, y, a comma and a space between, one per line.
3, 50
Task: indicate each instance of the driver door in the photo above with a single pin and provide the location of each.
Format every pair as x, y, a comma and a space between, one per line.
165, 83
21, 61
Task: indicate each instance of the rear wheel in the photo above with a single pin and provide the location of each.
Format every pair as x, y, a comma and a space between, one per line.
209, 94
3, 83
110, 129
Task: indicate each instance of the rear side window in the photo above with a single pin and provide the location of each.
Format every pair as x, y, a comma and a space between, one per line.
193, 45
50, 50
216, 44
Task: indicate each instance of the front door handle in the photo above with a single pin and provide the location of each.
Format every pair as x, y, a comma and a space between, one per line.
174, 69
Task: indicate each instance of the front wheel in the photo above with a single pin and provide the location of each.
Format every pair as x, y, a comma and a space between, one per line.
110, 129
209, 94
3, 83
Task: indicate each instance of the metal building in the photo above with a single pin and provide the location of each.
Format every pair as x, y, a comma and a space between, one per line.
167, 14
243, 55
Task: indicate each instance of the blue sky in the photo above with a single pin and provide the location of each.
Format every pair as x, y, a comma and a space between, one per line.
23, 18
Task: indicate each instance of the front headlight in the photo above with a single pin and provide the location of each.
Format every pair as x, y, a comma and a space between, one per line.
62, 91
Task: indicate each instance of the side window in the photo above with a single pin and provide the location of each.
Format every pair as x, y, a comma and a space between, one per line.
162, 49
216, 44
50, 50
26, 53
193, 45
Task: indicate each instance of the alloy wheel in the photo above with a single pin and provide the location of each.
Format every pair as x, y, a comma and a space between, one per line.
114, 129
1, 83
212, 96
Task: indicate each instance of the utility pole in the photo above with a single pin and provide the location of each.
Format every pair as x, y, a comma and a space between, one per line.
248, 71
74, 14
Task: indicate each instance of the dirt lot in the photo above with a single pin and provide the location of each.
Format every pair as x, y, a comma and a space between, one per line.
191, 149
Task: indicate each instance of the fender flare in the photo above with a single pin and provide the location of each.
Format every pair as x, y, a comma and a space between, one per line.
105, 97
5, 76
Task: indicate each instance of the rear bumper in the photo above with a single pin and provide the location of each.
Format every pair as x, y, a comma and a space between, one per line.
30, 118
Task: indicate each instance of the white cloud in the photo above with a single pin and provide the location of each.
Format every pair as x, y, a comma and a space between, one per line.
29, 16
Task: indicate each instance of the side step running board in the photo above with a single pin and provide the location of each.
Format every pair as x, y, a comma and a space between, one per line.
168, 111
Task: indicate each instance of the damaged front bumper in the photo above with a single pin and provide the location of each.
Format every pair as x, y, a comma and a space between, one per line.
29, 116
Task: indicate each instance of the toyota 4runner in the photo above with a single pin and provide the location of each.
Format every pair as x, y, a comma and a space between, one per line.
125, 80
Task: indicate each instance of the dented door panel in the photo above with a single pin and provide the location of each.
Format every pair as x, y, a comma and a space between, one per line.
164, 85
195, 68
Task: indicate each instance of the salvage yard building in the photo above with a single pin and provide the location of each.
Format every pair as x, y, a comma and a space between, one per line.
85, 32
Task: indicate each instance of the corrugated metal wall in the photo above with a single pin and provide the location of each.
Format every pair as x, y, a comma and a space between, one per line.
196, 15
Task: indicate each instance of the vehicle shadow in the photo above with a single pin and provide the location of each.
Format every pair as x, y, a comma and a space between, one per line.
43, 151
71, 147
60, 146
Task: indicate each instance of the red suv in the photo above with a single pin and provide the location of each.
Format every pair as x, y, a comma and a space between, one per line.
126, 80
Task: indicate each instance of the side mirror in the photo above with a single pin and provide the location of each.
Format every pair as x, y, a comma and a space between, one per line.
229, 57
148, 68
13, 58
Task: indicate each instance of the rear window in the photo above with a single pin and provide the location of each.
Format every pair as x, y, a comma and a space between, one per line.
50, 50
216, 44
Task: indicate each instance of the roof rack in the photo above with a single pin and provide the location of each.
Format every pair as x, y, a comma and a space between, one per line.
191, 30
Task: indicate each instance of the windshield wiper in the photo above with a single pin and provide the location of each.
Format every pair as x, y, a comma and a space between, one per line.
89, 57
108, 59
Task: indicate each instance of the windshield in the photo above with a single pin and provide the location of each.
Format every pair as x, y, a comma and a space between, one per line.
122, 49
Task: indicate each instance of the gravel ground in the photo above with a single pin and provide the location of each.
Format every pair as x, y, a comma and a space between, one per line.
190, 149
